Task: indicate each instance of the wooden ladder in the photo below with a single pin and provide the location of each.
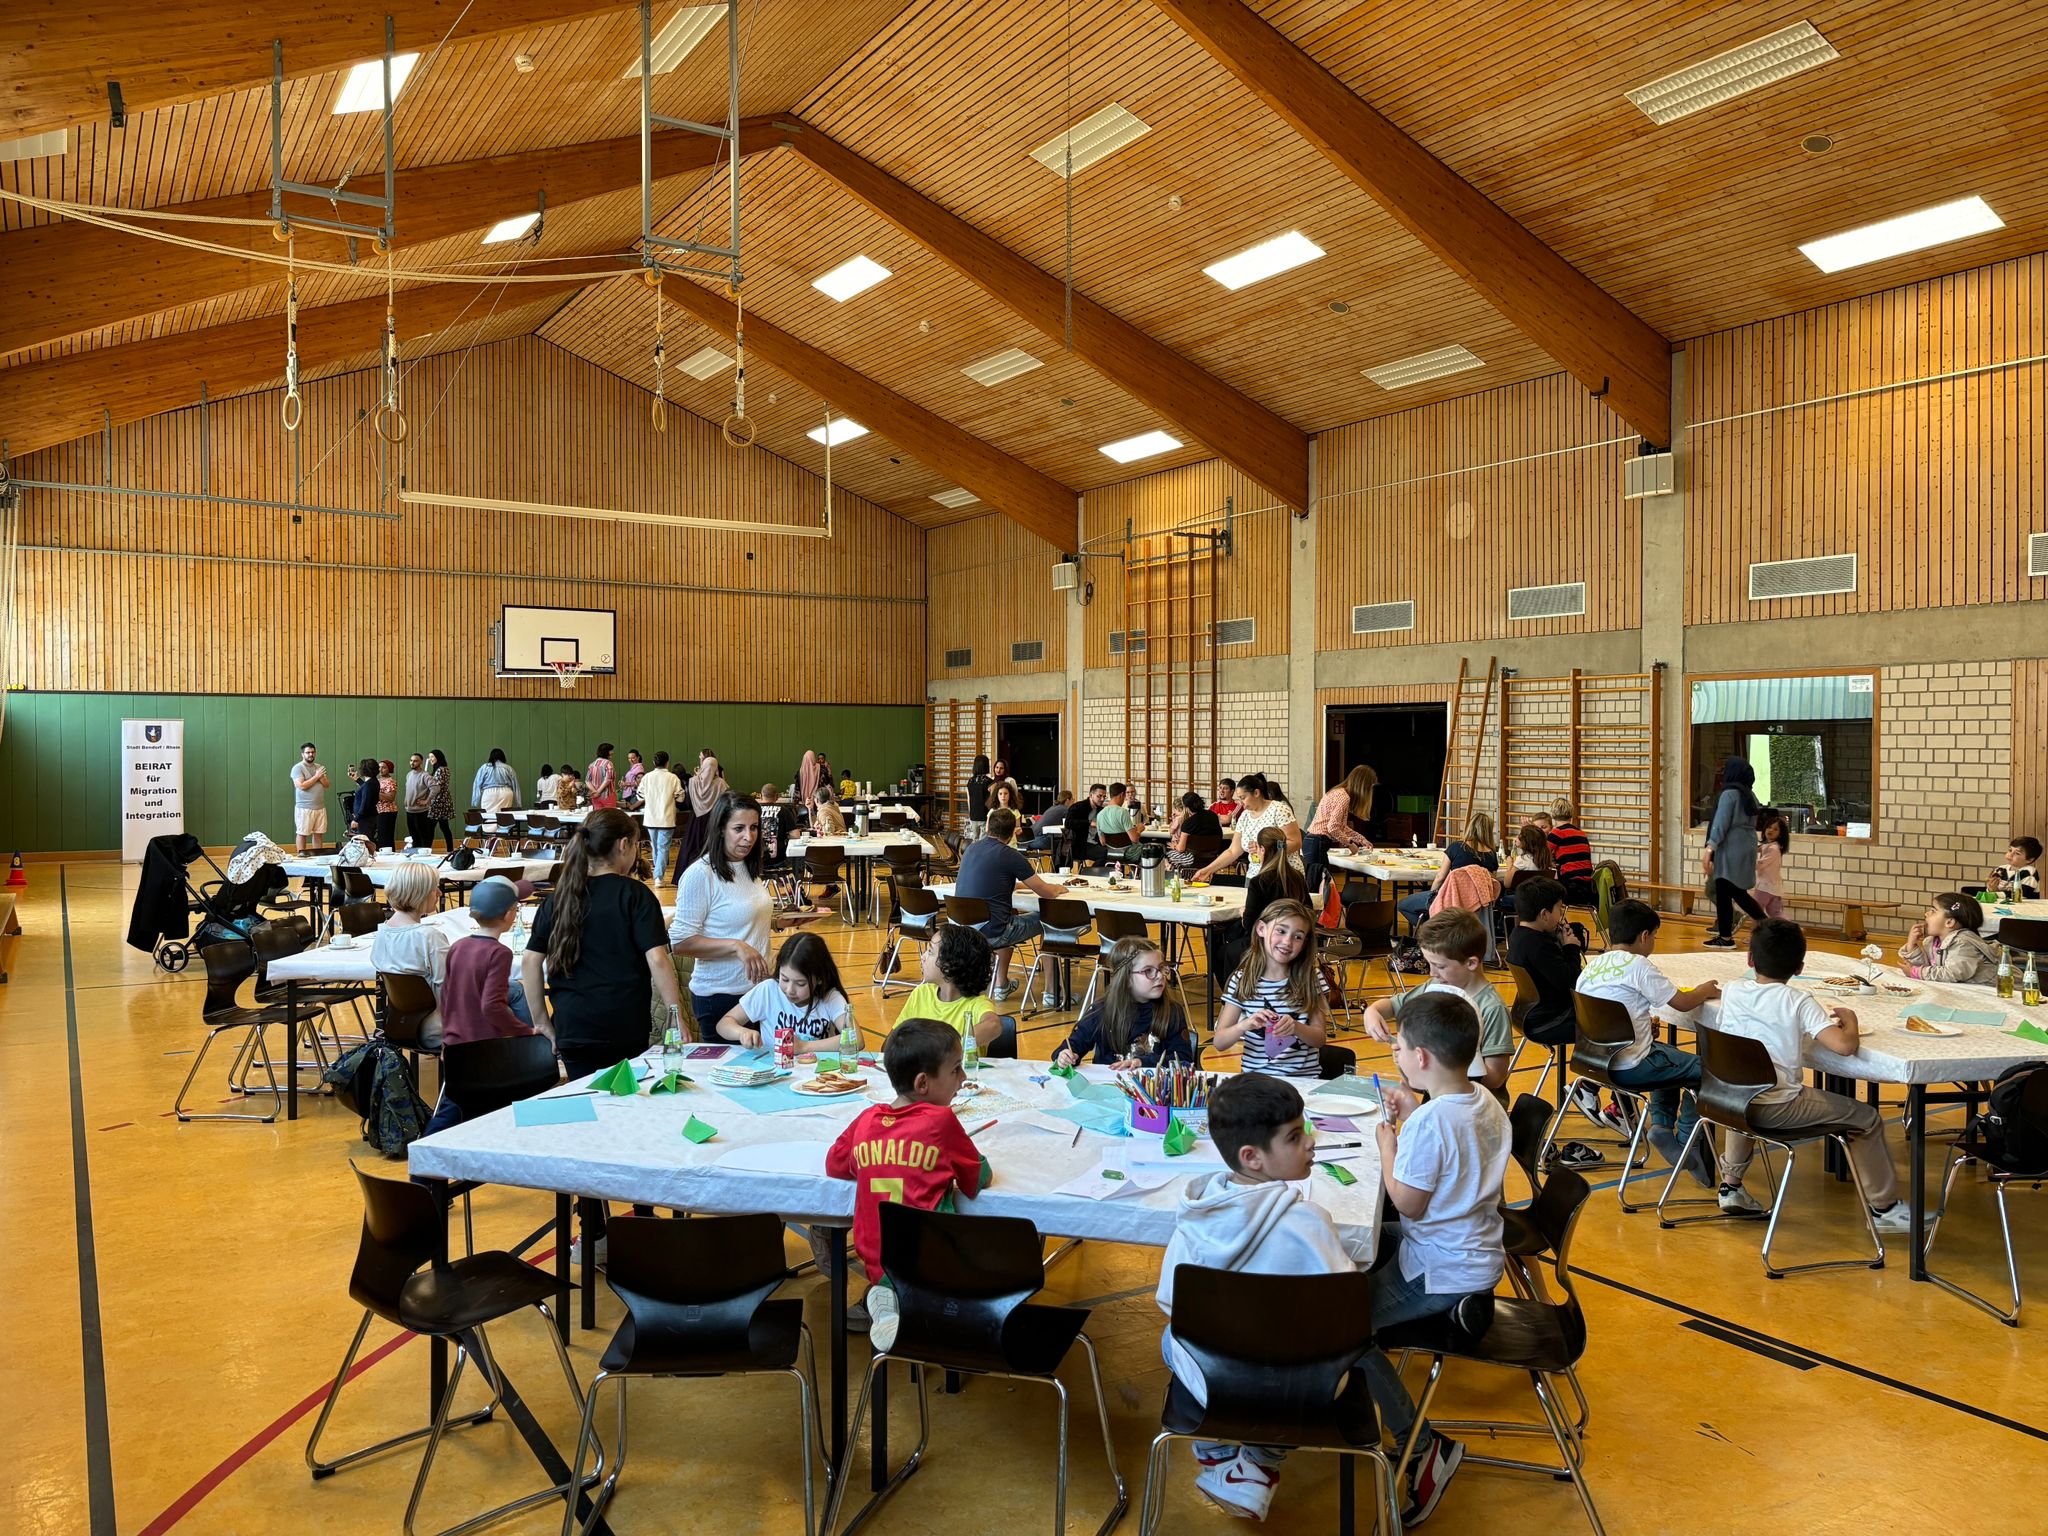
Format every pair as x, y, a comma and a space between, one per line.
1471, 707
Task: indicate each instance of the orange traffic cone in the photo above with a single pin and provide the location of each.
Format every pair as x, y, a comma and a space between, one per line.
16, 875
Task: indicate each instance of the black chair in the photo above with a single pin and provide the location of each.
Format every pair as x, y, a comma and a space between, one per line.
1734, 1069
400, 1276
2002, 1171
697, 1305
1065, 938
825, 866
1605, 1029
893, 818
917, 920
281, 939
902, 865
363, 920
409, 1002
2023, 935
1542, 1338
1372, 923
1526, 1242
1526, 997
1112, 924
967, 911
963, 1288
1279, 1360
484, 1076
227, 967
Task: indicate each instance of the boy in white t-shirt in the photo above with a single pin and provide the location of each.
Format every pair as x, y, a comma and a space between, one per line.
1623, 973
1443, 1161
1454, 944
1784, 1019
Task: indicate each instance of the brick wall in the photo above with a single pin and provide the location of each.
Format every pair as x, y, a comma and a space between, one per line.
1251, 736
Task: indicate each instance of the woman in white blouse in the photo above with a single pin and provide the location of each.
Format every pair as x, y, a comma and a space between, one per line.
1258, 808
725, 915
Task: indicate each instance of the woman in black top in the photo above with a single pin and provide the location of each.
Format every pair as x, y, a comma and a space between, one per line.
977, 796
606, 949
1193, 819
362, 806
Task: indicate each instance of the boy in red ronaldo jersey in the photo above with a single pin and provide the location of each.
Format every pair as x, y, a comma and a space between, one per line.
913, 1150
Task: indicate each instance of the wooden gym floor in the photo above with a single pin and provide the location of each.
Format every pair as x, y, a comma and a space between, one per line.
177, 1302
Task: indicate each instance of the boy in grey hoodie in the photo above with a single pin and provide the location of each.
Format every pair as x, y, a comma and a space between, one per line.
1249, 1219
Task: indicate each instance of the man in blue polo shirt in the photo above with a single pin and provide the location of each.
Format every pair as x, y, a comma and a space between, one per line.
994, 871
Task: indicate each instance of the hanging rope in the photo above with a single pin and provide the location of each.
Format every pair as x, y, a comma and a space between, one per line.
294, 407
391, 422
660, 407
737, 429
1070, 176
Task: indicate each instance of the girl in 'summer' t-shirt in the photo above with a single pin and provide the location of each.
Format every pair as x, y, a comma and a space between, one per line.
803, 995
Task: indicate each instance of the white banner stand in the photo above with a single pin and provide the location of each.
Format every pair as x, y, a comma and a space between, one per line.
152, 783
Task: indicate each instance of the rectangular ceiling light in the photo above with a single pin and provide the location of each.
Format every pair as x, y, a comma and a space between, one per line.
850, 277
1424, 365
1092, 138
41, 146
991, 371
843, 430
1908, 232
673, 42
956, 497
1280, 254
1143, 446
706, 364
510, 229
363, 91
1734, 73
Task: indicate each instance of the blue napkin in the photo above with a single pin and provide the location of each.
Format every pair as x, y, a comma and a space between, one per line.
554, 1111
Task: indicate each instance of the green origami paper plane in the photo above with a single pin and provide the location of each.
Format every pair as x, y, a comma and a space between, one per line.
696, 1130
618, 1079
672, 1082
1179, 1139
2028, 1030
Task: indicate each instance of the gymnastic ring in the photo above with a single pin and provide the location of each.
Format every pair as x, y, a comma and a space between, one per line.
389, 413
660, 414
738, 431
293, 411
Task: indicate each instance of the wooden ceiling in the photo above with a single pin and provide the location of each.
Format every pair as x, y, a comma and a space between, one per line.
1692, 226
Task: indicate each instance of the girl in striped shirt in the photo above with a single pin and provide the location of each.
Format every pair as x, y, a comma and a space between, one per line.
1274, 1002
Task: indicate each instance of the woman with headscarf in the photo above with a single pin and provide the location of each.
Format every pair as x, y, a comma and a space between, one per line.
703, 790
807, 780
1729, 858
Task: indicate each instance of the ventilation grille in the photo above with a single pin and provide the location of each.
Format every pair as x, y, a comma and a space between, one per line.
57, 141
1093, 137
2037, 554
956, 497
1116, 642
961, 658
705, 364
1561, 602
1734, 73
1028, 650
991, 371
1379, 618
1236, 631
1425, 365
1769, 579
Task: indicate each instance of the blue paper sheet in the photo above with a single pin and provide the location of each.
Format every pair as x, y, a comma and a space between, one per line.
772, 1098
1097, 1106
554, 1111
1944, 1015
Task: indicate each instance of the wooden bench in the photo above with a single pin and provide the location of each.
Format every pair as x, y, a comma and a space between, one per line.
10, 933
1852, 908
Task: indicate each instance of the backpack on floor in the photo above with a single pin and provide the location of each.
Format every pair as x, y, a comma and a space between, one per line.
371, 1082
2013, 1139
1408, 959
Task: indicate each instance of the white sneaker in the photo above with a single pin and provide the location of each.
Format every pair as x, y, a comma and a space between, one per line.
1240, 1487
1899, 1219
999, 994
881, 1301
1737, 1201
576, 1253
1586, 1100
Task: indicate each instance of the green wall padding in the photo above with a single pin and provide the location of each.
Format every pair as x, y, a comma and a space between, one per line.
60, 753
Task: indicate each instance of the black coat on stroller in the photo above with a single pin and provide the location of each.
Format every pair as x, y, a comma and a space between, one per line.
169, 897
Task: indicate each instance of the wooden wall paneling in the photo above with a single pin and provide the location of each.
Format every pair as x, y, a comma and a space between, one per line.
405, 602
1934, 486
2030, 749
1452, 504
1252, 582
988, 586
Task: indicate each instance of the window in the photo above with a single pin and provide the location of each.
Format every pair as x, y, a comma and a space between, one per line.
1811, 738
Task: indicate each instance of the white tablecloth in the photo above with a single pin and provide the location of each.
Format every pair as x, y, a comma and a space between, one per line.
1394, 865
1888, 1053
328, 962
862, 847
1227, 901
636, 1151
2036, 910
380, 870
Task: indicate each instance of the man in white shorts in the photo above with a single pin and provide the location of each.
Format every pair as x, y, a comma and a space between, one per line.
309, 801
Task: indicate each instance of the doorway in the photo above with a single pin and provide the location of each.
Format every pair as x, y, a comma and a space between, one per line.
1405, 745
1031, 746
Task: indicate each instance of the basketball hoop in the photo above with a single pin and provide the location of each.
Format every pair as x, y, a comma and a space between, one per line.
566, 673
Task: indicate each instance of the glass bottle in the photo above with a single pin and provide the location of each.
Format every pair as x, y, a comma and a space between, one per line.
2005, 973
2030, 984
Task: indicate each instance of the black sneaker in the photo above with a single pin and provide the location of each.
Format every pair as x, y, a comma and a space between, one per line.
1577, 1156
1719, 943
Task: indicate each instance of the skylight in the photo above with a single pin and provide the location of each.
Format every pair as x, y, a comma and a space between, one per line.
706, 363
510, 229
991, 371
1094, 137
1143, 446
363, 91
673, 42
1282, 253
843, 430
957, 497
1908, 232
850, 277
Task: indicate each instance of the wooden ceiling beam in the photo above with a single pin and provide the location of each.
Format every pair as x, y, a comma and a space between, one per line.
1236, 428
58, 60
1606, 347
69, 277
1034, 501
42, 404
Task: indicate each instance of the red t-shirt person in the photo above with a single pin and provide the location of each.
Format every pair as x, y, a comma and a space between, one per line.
916, 1155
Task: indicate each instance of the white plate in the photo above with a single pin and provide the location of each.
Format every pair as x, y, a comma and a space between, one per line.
1930, 1030
1342, 1104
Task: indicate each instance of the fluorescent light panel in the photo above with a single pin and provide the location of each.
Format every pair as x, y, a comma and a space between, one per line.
850, 277
510, 229
1908, 232
1424, 365
1269, 258
363, 91
1143, 446
956, 497
706, 364
41, 146
843, 430
1735, 73
991, 371
674, 40
1103, 133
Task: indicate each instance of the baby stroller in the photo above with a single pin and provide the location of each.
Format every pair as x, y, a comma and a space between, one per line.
169, 897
